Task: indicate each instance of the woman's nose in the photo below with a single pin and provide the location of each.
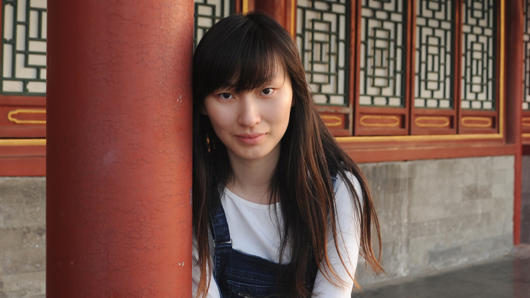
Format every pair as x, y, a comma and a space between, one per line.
249, 114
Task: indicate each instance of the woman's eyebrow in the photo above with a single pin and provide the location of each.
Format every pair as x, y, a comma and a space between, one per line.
277, 80
225, 88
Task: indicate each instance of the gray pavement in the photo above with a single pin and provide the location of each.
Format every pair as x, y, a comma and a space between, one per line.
508, 277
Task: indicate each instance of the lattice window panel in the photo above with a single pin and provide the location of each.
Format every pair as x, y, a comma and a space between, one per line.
322, 35
434, 52
207, 13
24, 47
478, 54
383, 37
526, 98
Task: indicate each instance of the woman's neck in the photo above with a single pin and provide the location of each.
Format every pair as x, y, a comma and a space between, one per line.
251, 178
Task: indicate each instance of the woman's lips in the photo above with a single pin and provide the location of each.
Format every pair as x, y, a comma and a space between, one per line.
250, 139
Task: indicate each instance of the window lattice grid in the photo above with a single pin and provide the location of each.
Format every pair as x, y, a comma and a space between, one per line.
526, 37
24, 47
434, 52
478, 57
382, 56
322, 35
207, 13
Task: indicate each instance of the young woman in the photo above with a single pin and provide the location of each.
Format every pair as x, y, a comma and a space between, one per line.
279, 210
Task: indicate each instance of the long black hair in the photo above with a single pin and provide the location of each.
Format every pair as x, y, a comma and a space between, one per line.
241, 52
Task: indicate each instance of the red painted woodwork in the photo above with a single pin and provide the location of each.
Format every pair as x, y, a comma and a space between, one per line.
525, 126
478, 121
428, 121
18, 121
433, 122
456, 64
526, 121
23, 165
373, 121
280, 10
514, 94
400, 124
409, 70
526, 149
21, 151
250, 5
420, 121
337, 123
237, 4
119, 148
518, 173
343, 112
11, 106
355, 66
22, 160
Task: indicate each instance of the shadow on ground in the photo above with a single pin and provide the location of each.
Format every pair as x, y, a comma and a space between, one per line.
508, 277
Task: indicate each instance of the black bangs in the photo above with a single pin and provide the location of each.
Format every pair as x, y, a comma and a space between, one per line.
237, 53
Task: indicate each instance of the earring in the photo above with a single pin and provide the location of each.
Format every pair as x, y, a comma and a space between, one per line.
207, 142
210, 146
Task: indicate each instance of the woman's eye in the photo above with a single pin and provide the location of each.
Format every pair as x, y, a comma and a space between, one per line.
267, 91
225, 95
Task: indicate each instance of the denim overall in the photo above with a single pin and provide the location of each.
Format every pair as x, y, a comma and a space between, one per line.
242, 275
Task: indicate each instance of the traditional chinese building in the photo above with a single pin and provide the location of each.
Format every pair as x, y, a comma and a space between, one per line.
432, 98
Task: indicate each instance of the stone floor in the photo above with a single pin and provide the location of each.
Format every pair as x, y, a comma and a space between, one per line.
508, 277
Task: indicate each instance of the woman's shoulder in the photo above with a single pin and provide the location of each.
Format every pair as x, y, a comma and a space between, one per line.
340, 183
344, 198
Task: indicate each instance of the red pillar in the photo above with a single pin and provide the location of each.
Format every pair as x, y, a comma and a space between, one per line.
283, 11
119, 148
514, 95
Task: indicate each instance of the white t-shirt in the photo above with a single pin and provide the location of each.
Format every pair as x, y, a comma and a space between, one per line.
254, 230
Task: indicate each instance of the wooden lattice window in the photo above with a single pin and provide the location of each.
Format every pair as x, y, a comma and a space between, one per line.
412, 67
23, 70
383, 46
434, 109
23, 87
208, 12
323, 38
478, 65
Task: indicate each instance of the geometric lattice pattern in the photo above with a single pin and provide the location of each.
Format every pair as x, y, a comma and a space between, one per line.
526, 98
383, 36
23, 47
434, 51
478, 61
207, 13
322, 34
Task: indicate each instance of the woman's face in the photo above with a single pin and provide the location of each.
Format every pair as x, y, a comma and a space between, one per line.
251, 123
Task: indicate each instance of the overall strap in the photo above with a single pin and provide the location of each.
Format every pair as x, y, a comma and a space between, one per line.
222, 244
334, 180
219, 226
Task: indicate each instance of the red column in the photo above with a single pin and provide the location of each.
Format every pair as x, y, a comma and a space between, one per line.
514, 95
283, 11
119, 148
